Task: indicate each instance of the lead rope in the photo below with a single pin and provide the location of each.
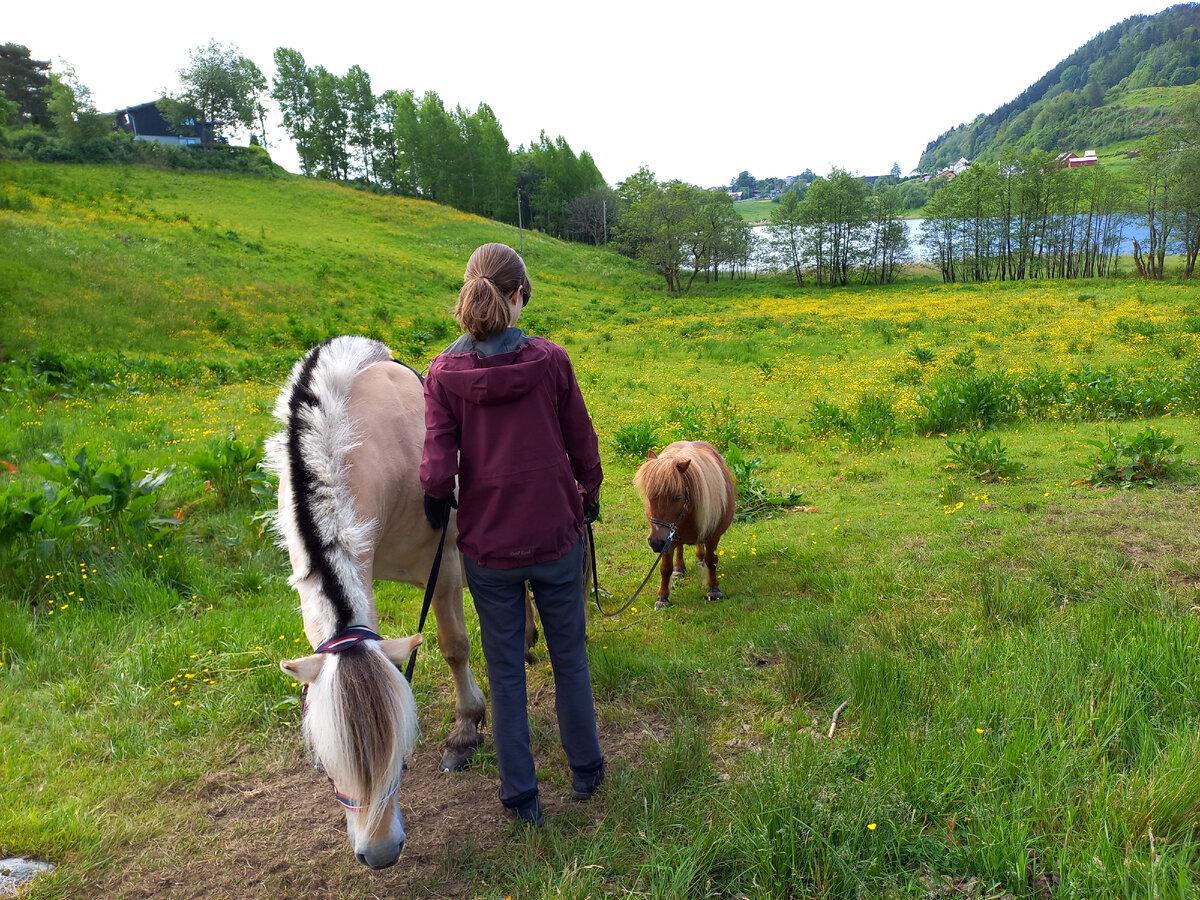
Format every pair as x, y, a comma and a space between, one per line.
430, 585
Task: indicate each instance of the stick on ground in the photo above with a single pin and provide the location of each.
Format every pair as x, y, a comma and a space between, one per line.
837, 712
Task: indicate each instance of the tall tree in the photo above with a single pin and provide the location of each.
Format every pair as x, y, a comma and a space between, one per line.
72, 111
293, 90
363, 116
25, 82
221, 89
787, 233
834, 212
331, 124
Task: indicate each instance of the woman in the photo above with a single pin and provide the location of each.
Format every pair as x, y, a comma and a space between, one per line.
504, 414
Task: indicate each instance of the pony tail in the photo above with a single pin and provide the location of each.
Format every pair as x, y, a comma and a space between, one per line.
481, 309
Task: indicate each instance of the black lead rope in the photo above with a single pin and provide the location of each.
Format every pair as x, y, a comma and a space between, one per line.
596, 583
429, 589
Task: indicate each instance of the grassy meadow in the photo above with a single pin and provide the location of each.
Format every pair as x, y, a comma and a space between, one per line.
971, 512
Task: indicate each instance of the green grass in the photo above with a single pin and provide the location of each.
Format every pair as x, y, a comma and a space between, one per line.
754, 211
1019, 653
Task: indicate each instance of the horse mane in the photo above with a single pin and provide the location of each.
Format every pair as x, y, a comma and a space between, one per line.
319, 527
704, 481
361, 722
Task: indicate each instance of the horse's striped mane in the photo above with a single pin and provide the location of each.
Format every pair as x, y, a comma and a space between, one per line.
704, 481
311, 454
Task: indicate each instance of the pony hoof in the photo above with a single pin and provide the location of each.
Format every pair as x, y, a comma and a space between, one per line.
714, 594
662, 603
678, 573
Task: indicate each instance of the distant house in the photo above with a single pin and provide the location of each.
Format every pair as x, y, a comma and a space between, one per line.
146, 123
954, 170
736, 195
1072, 160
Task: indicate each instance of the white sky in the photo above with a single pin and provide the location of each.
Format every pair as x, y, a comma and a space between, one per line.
696, 91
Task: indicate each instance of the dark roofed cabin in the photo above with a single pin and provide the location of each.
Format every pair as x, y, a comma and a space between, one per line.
146, 123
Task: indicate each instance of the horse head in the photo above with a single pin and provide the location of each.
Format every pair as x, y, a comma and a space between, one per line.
360, 722
664, 485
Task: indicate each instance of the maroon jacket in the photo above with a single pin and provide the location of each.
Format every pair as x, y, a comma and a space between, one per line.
506, 416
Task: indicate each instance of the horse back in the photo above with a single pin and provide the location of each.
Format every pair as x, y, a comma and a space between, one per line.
387, 406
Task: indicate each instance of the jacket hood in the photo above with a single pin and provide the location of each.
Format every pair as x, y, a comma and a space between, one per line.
489, 373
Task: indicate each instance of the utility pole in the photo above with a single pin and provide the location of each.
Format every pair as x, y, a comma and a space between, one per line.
520, 222
605, 208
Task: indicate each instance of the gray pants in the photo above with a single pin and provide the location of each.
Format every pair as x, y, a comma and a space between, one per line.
499, 596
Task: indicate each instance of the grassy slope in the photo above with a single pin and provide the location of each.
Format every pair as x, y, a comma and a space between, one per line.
1019, 656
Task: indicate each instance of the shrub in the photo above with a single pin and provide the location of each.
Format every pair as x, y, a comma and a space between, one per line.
230, 467
754, 500
971, 401
984, 458
1144, 458
633, 442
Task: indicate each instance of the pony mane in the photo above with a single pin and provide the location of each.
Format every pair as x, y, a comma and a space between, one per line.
319, 527
361, 722
704, 481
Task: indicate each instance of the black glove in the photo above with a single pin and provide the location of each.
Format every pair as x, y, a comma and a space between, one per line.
437, 510
591, 512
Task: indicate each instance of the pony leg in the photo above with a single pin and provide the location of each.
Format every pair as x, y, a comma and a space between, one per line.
664, 586
531, 632
701, 555
680, 569
710, 563
469, 705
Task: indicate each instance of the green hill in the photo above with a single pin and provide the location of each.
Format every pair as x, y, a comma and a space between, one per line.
175, 264
1118, 87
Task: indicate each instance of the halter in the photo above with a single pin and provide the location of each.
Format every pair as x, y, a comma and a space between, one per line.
674, 526
351, 637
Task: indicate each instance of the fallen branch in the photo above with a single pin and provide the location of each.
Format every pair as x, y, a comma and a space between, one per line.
836, 713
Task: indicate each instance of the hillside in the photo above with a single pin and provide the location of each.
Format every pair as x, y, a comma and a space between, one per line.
1117, 87
193, 265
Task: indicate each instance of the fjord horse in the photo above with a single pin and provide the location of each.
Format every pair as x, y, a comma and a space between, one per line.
350, 511
690, 498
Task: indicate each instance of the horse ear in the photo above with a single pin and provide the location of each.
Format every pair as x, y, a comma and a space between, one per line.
398, 649
305, 669
650, 454
683, 464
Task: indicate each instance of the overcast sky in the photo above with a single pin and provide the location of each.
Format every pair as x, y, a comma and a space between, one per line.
695, 91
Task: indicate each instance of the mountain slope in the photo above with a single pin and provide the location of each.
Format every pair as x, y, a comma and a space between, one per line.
1109, 90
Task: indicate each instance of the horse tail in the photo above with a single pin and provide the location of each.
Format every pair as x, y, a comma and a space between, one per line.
317, 522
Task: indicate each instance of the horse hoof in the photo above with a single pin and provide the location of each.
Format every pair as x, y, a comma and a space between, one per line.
714, 594
678, 573
662, 603
456, 761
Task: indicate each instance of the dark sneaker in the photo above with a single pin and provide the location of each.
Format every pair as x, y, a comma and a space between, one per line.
531, 813
582, 787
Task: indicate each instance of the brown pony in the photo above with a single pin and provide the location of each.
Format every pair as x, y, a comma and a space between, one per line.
690, 498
